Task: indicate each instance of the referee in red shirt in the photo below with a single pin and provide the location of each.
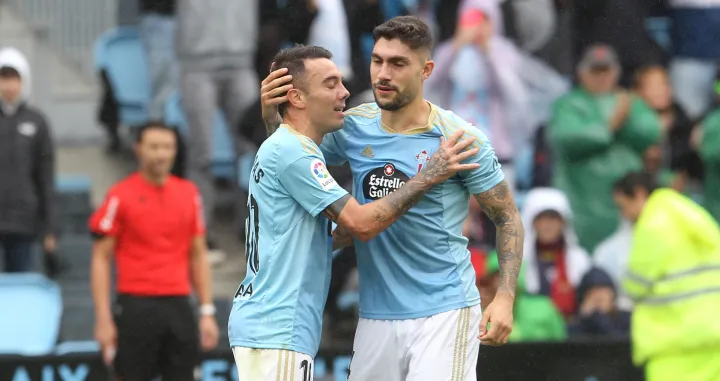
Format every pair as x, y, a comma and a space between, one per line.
152, 223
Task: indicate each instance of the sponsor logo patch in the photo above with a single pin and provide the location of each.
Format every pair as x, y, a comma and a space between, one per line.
382, 181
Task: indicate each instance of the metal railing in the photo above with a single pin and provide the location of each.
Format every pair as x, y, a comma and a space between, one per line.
71, 25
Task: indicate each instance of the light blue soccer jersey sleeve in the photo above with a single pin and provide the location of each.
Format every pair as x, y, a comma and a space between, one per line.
489, 174
308, 181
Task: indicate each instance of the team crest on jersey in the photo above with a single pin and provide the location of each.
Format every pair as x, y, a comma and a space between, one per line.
421, 158
382, 181
321, 174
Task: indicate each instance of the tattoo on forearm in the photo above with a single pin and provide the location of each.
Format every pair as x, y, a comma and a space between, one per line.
333, 211
400, 201
270, 128
397, 203
499, 206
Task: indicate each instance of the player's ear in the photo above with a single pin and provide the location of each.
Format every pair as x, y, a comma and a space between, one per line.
428, 69
296, 98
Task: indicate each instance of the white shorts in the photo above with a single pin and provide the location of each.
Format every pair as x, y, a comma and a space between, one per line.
272, 364
442, 347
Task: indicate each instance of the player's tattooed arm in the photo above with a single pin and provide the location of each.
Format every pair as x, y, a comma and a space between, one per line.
367, 221
272, 124
499, 205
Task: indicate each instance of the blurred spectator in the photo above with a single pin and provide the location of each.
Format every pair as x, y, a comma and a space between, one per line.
217, 58
612, 256
477, 75
535, 316
696, 48
599, 315
157, 30
674, 279
598, 134
672, 160
621, 25
27, 167
708, 145
152, 223
331, 16
555, 263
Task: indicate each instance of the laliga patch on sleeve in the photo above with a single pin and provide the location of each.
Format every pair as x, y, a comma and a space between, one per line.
321, 174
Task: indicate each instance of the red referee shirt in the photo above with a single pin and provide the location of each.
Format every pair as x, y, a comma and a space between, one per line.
153, 226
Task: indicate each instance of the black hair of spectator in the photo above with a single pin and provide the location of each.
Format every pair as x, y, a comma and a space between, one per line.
634, 181
152, 125
294, 59
9, 72
410, 30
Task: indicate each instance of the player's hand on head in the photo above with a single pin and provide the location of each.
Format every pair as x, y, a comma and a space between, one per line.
447, 160
499, 315
273, 91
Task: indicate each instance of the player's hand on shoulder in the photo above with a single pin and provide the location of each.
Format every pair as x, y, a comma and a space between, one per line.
274, 92
499, 315
446, 161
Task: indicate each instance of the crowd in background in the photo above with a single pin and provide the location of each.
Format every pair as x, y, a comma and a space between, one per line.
573, 95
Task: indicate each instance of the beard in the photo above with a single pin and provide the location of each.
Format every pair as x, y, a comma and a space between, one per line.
401, 100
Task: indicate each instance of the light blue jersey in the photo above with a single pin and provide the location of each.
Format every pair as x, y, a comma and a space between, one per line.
288, 247
420, 265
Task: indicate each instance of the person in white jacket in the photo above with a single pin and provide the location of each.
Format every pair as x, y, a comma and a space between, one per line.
555, 261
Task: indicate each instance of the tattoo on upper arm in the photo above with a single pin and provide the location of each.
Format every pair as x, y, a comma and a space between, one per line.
499, 205
333, 211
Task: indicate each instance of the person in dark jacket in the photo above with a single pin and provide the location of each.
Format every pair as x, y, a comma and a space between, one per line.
27, 167
599, 315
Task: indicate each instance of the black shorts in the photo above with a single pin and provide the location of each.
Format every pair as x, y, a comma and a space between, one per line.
156, 336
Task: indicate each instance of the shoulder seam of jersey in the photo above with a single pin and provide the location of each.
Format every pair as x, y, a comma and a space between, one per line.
450, 127
365, 110
307, 144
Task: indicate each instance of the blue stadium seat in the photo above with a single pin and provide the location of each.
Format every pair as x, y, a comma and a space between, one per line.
70, 347
120, 53
391, 8
73, 184
659, 30
245, 163
32, 309
224, 160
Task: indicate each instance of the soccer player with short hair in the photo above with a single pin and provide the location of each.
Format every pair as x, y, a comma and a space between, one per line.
275, 323
420, 315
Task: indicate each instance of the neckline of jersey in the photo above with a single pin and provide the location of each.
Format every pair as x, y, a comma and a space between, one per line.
416, 130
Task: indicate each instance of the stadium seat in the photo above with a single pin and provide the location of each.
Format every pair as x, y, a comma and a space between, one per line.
224, 160
73, 194
70, 347
32, 307
245, 163
119, 52
391, 8
659, 30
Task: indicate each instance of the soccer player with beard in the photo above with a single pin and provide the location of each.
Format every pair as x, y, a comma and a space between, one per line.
275, 323
420, 315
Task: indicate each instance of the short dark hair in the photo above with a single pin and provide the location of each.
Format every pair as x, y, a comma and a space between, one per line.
293, 59
9, 72
152, 125
634, 181
410, 30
